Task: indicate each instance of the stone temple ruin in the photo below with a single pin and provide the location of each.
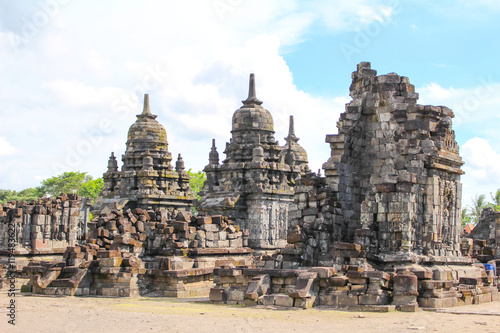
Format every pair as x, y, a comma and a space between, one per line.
255, 183
381, 229
147, 179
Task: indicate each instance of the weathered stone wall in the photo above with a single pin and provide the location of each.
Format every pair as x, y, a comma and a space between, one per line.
45, 226
393, 178
486, 236
128, 253
486, 227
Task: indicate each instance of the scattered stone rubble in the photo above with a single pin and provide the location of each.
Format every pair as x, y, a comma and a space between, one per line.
141, 252
380, 231
356, 287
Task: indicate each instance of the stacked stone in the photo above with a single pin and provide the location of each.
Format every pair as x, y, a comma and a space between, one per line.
68, 277
190, 277
45, 226
286, 259
194, 232
291, 288
315, 221
486, 235
116, 274
118, 230
393, 179
405, 290
254, 184
140, 230
358, 286
147, 179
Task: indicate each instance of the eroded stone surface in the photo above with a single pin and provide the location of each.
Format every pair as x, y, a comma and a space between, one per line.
147, 178
254, 184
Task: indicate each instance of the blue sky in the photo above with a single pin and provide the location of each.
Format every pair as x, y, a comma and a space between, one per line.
72, 74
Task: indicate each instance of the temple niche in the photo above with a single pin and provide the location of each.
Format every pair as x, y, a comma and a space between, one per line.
147, 178
254, 185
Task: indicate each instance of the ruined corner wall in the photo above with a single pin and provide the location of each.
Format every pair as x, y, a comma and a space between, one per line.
486, 235
393, 178
46, 226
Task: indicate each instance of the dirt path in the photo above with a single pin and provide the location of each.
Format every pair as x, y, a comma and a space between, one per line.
82, 314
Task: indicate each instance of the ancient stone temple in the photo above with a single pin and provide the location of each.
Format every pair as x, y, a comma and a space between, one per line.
393, 178
254, 184
147, 179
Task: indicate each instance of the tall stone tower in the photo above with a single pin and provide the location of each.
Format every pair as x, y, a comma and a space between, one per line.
254, 185
392, 183
147, 179
395, 168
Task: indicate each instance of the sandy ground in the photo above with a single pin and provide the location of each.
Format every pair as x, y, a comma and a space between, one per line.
85, 314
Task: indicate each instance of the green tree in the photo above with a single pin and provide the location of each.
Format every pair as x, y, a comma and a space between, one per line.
478, 203
466, 217
67, 182
23, 195
196, 182
91, 188
5, 195
496, 200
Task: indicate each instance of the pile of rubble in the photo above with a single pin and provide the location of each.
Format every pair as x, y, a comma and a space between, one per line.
152, 233
356, 287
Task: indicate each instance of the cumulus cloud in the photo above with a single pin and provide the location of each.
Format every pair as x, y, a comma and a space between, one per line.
482, 168
77, 90
5, 147
469, 105
72, 87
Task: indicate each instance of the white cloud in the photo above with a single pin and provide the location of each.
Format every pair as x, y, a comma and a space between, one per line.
91, 64
482, 168
476, 113
354, 14
5, 147
469, 105
63, 81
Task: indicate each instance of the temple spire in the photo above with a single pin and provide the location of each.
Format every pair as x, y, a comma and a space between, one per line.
146, 111
291, 132
252, 96
179, 165
213, 156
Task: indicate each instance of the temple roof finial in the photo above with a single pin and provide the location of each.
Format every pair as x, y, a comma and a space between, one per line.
291, 132
146, 111
179, 165
252, 96
213, 156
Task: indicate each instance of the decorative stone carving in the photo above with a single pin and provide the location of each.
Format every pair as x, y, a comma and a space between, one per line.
147, 179
258, 172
